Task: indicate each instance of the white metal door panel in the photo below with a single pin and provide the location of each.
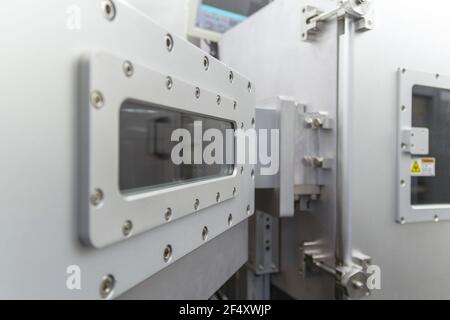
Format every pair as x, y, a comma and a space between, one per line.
414, 258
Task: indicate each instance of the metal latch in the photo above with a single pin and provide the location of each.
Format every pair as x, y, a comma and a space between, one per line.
360, 10
352, 279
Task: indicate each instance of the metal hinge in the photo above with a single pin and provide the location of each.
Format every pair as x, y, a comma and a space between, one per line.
313, 18
352, 279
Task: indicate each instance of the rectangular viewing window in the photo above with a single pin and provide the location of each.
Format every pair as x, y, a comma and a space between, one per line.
431, 110
145, 149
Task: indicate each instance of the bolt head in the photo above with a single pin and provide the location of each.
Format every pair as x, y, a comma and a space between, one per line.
97, 197
167, 254
196, 204
169, 83
127, 228
97, 99
128, 68
107, 286
109, 9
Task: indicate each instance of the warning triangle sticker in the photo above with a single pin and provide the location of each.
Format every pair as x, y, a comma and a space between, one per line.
416, 167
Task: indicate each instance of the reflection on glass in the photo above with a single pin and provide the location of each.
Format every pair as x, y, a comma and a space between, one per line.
431, 109
145, 147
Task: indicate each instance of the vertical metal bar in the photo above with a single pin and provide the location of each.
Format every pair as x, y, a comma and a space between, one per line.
344, 141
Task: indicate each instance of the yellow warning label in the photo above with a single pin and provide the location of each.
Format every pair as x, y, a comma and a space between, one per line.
415, 169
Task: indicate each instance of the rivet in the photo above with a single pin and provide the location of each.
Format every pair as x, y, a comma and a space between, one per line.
231, 76
234, 105
248, 209
218, 100
242, 170
436, 218
197, 92
249, 86
234, 191
218, 197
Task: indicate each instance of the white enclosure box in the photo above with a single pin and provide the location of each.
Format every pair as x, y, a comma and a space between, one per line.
92, 91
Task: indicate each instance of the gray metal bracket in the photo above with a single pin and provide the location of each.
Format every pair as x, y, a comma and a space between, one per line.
263, 244
318, 120
313, 18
